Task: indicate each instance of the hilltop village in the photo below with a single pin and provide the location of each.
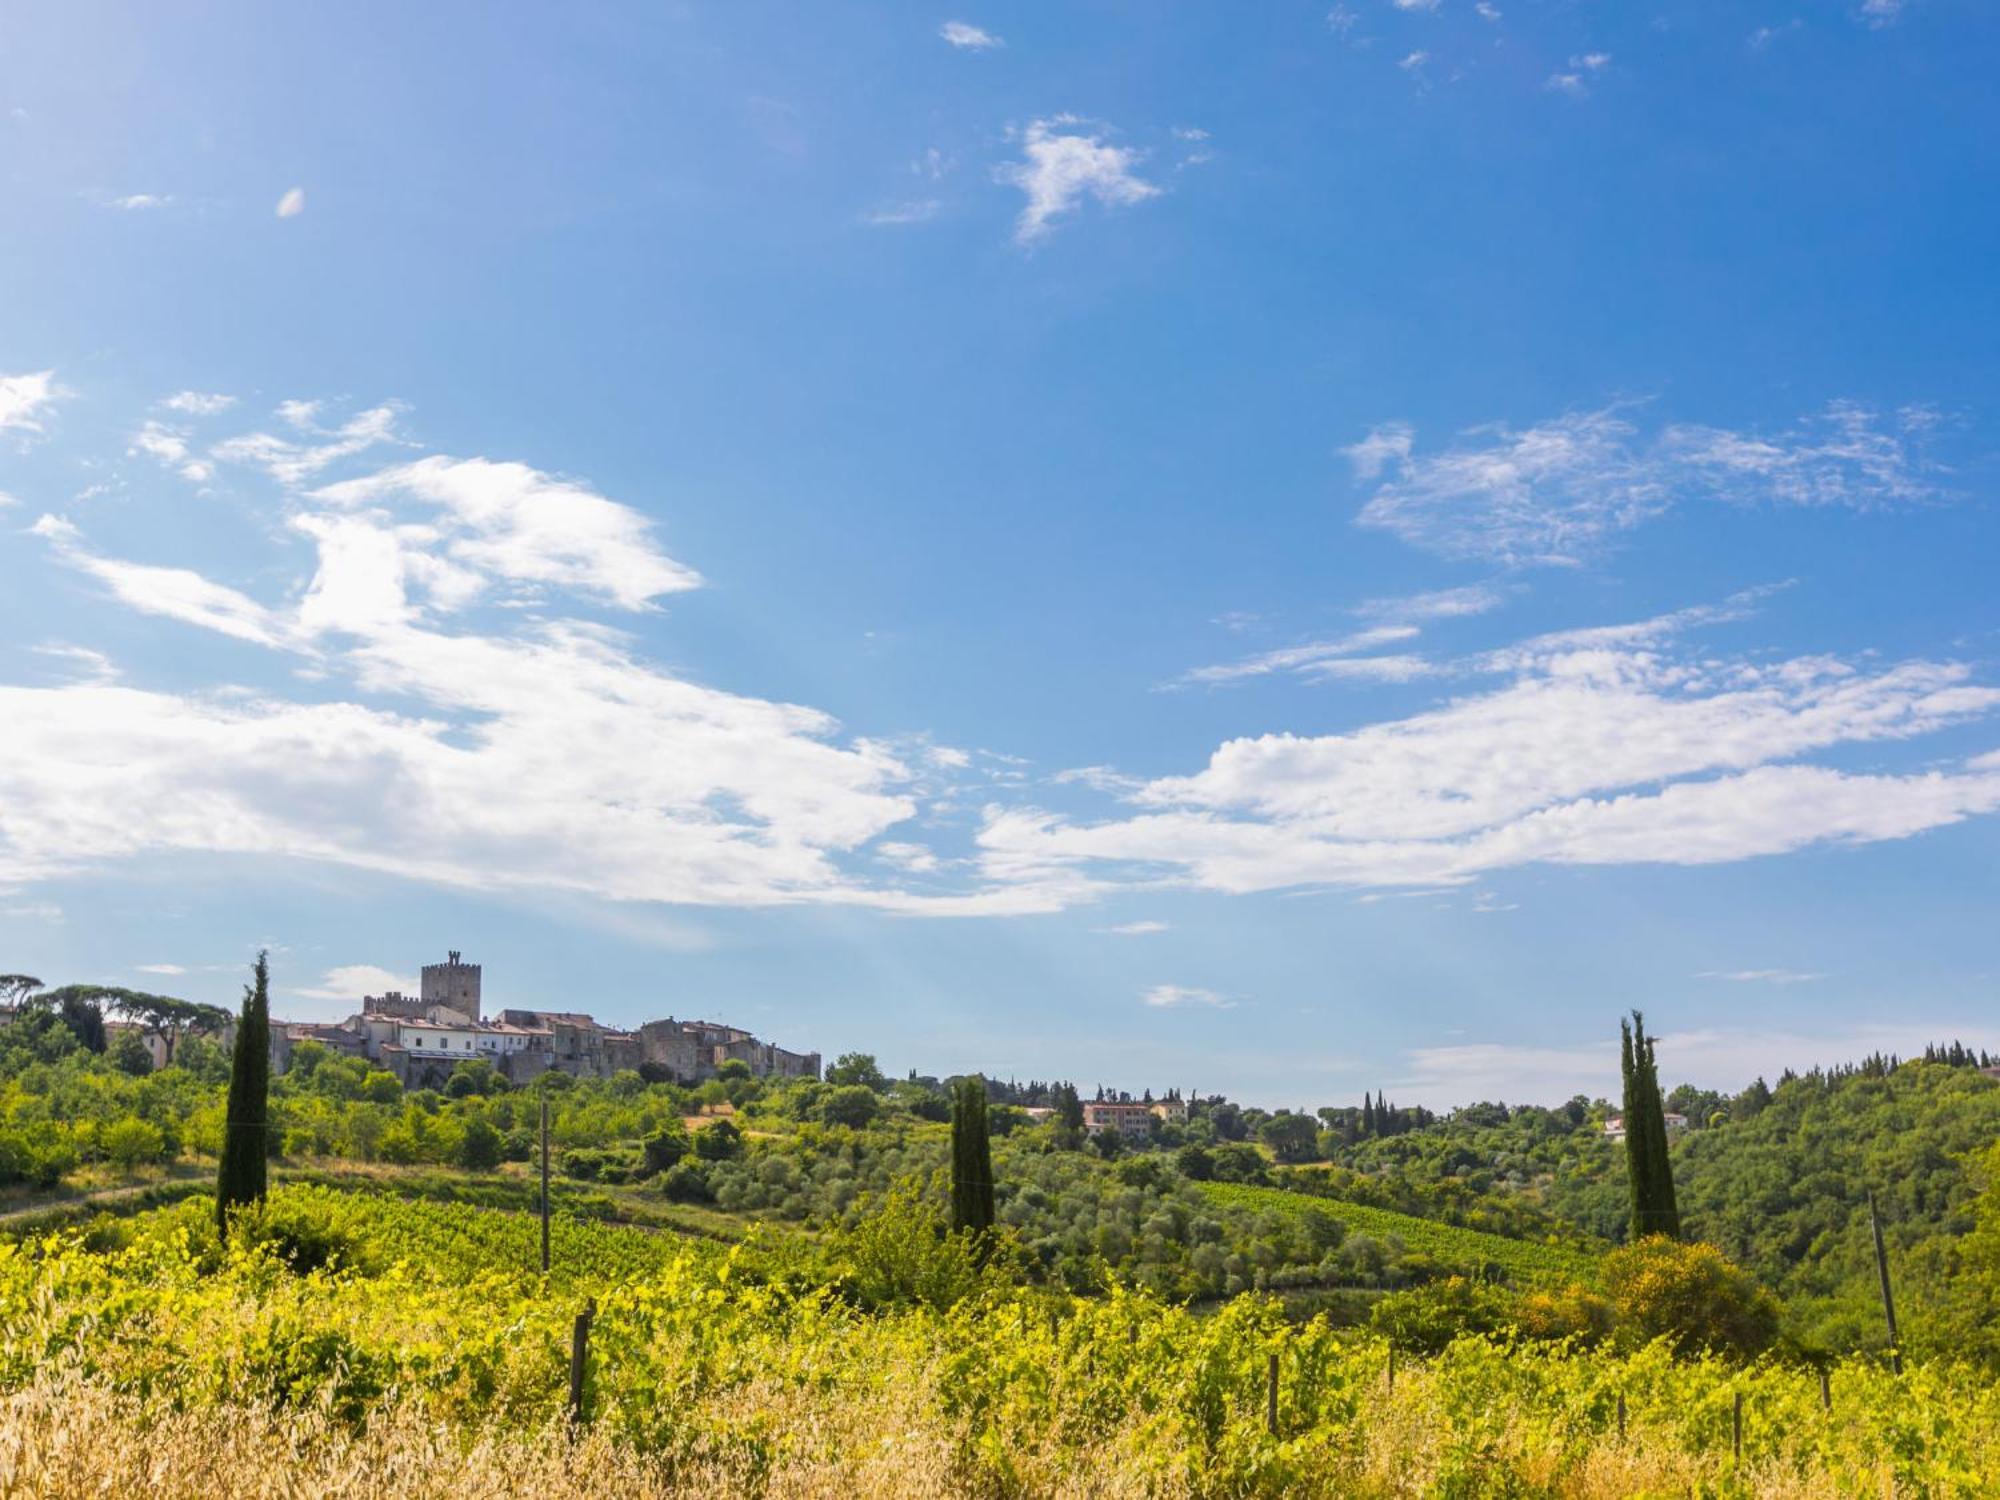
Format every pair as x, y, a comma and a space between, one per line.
421, 1038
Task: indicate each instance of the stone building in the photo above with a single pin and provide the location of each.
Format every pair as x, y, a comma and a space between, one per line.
422, 1039
453, 984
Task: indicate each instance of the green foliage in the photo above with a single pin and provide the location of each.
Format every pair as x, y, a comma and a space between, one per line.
129, 1055
479, 1146
247, 1118
1425, 1319
1691, 1295
971, 1159
902, 1252
1291, 1137
1448, 1247
328, 1302
132, 1141
856, 1068
688, 1183
721, 1141
664, 1148
853, 1105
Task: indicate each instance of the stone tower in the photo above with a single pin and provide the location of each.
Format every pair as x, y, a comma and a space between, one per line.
454, 984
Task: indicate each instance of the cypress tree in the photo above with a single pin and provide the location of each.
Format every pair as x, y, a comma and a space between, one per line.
971, 1158
1649, 1172
1367, 1114
246, 1122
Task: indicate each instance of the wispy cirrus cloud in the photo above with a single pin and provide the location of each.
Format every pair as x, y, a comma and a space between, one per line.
1563, 490
1606, 747
1338, 657
969, 38
1068, 159
199, 403
310, 448
1182, 996
1760, 976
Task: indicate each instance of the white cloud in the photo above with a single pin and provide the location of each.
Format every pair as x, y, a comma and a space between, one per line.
94, 665
1333, 658
1136, 929
1422, 5
25, 400
915, 858
1414, 60
1066, 162
1760, 976
967, 37
169, 445
1179, 996
159, 968
1571, 84
508, 521
292, 204
540, 754
1880, 13
1106, 779
1486, 10
1560, 491
175, 593
1389, 442
296, 460
912, 211
355, 982
199, 403
1598, 754
142, 201
1437, 604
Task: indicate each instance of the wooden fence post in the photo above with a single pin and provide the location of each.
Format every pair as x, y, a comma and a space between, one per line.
1888, 1301
1390, 1374
1271, 1395
1621, 1416
1736, 1428
545, 1184
1825, 1390
579, 1358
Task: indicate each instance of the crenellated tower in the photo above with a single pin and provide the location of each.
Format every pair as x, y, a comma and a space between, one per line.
454, 984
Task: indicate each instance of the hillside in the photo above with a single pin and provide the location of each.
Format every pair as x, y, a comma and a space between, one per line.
1519, 1262
1780, 1183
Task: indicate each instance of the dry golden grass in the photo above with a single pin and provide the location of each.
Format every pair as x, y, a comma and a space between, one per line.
62, 1438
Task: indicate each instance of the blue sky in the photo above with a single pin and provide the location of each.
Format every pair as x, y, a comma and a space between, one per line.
1276, 549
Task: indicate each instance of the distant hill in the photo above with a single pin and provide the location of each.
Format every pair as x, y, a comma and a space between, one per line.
1778, 1178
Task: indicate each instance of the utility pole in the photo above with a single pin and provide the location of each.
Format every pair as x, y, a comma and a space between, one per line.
1888, 1300
545, 1183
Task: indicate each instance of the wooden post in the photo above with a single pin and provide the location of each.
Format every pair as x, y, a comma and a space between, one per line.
1825, 1390
1271, 1395
1390, 1374
545, 1184
1736, 1428
1621, 1416
1888, 1299
579, 1358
